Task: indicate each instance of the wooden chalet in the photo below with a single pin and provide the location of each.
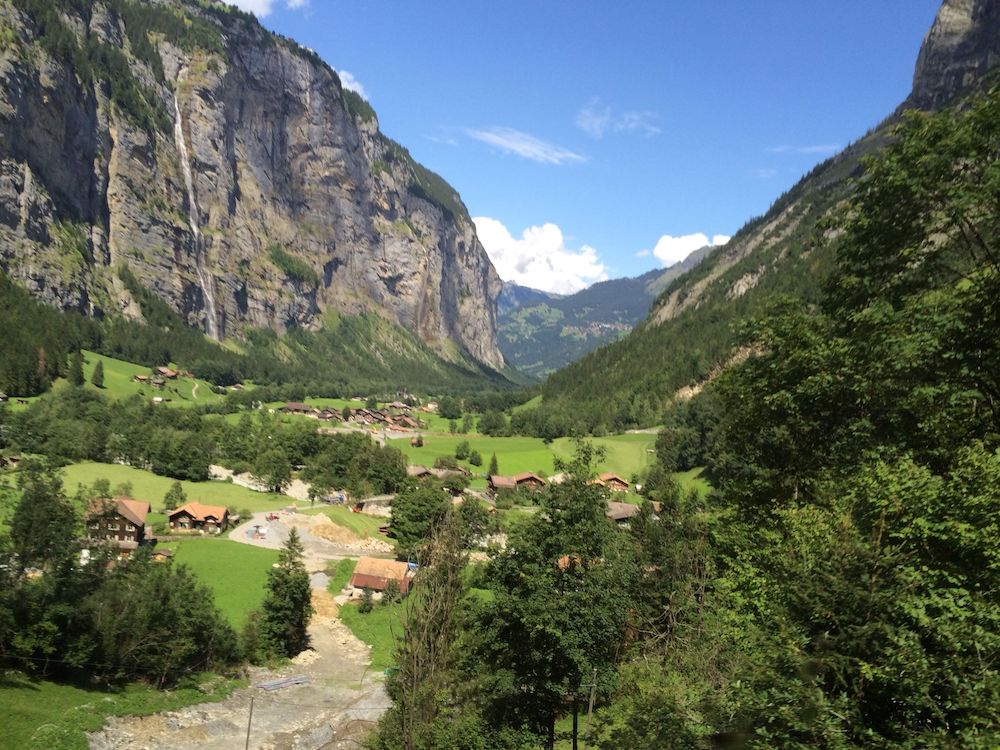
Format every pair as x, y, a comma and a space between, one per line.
525, 480
199, 517
375, 573
420, 472
166, 372
622, 513
120, 522
612, 481
297, 407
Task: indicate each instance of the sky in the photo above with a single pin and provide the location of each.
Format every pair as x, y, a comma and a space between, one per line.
592, 140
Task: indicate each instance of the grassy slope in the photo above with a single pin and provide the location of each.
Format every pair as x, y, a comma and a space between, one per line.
151, 487
376, 629
236, 573
42, 715
118, 383
340, 572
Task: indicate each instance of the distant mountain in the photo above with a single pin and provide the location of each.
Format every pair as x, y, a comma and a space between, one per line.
540, 332
691, 329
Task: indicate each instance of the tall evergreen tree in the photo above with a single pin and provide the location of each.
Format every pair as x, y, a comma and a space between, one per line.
494, 466
98, 377
287, 607
75, 373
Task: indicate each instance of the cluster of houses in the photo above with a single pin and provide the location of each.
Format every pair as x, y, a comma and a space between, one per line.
531, 481
122, 522
383, 417
159, 377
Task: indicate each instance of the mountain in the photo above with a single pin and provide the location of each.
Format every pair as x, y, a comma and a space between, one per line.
540, 332
692, 328
229, 171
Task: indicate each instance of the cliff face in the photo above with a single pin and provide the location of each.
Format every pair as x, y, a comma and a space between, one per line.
961, 46
229, 170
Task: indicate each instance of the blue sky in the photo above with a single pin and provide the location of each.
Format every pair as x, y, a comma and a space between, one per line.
593, 139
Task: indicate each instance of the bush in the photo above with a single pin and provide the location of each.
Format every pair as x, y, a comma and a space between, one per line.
391, 593
475, 458
367, 602
294, 268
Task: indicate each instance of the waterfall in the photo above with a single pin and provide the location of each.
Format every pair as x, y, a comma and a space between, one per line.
204, 281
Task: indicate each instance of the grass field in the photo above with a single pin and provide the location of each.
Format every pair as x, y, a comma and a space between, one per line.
376, 629
119, 383
694, 480
43, 715
151, 487
236, 573
340, 572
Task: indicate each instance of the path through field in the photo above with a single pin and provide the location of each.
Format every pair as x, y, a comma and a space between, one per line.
338, 707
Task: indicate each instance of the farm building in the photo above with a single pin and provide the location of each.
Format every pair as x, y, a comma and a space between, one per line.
296, 407
167, 373
120, 522
198, 517
622, 513
375, 573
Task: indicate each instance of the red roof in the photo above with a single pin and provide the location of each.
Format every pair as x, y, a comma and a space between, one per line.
374, 573
132, 510
200, 512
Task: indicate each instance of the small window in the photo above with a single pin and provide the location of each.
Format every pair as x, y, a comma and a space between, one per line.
113, 526
96, 525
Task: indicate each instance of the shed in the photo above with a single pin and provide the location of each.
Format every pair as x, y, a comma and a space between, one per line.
375, 573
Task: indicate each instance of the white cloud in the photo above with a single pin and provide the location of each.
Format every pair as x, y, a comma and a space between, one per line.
644, 253
539, 258
596, 119
819, 148
525, 145
348, 81
671, 250
264, 7
765, 173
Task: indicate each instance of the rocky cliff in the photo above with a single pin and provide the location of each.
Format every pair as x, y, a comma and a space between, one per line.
229, 170
962, 45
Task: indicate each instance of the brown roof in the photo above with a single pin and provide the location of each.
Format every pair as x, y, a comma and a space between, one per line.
527, 475
503, 482
132, 510
167, 372
610, 476
374, 573
297, 406
201, 512
417, 471
621, 511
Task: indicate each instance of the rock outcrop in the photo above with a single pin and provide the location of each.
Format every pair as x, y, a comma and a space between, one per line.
961, 46
230, 171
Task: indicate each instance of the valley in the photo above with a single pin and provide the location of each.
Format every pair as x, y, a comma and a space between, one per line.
287, 463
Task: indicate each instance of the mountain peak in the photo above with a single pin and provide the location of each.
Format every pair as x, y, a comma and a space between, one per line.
961, 46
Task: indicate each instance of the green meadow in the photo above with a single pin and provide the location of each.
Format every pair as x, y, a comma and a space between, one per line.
119, 383
235, 572
152, 487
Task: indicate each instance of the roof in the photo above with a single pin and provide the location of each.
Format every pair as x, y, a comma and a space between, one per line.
166, 371
621, 511
417, 471
375, 573
610, 476
297, 406
201, 512
132, 510
502, 482
526, 475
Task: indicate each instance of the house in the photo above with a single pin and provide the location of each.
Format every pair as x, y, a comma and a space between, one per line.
140, 378
622, 513
167, 373
198, 517
121, 522
613, 482
420, 472
162, 555
158, 382
407, 421
398, 405
375, 573
525, 480
296, 407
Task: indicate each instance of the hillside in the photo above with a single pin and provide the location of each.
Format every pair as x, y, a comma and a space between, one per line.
230, 172
693, 327
541, 332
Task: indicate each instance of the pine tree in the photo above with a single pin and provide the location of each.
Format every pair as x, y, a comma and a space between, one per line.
287, 607
98, 377
494, 466
76, 368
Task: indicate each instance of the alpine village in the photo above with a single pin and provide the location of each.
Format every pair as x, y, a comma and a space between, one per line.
288, 461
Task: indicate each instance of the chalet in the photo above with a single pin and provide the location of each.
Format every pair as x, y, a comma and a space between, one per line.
420, 472
296, 407
613, 482
398, 405
166, 372
199, 517
157, 382
121, 522
375, 573
162, 555
140, 378
328, 415
407, 421
525, 480
622, 513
